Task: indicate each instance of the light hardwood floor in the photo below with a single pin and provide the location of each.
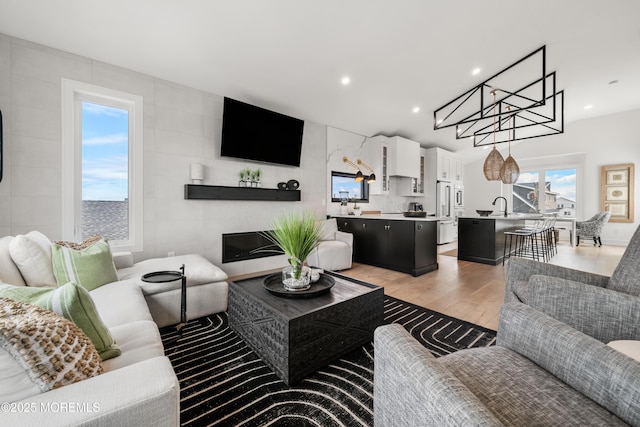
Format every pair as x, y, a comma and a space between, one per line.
471, 291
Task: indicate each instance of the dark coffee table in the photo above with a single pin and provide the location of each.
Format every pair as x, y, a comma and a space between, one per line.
295, 337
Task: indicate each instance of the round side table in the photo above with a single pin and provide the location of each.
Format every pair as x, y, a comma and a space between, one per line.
170, 276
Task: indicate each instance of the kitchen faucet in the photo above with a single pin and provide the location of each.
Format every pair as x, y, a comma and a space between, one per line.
505, 203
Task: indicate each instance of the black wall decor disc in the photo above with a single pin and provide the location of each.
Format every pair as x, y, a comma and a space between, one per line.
292, 184
282, 186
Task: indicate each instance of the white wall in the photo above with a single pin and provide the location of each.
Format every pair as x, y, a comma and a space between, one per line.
181, 126
589, 143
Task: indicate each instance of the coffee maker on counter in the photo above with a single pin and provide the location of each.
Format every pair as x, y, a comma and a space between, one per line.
415, 210
415, 207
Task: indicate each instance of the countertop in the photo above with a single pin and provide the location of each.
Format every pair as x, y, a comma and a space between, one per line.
510, 217
389, 216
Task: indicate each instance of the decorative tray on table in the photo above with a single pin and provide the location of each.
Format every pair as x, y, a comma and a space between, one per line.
273, 284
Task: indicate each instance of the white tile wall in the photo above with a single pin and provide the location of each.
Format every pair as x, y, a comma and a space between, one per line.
181, 126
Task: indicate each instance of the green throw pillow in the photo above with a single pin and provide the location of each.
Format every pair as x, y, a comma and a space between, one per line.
72, 302
89, 267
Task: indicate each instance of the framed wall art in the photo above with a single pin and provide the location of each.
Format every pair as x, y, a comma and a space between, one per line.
617, 191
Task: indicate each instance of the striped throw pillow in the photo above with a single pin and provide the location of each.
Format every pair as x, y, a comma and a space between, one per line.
90, 266
72, 302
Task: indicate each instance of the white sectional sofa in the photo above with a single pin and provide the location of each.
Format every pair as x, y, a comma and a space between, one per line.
138, 387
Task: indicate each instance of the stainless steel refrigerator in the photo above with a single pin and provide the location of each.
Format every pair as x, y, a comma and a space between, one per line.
445, 212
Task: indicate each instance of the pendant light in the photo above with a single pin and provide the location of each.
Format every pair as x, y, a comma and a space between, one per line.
492, 167
359, 176
510, 170
372, 177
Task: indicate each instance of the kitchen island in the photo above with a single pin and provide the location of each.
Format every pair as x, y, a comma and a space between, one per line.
406, 244
481, 238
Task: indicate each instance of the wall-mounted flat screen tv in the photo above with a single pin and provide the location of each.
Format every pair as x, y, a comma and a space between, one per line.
254, 133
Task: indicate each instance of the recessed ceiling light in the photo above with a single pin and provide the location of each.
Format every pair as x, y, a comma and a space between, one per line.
458, 130
439, 122
345, 80
588, 107
416, 109
475, 71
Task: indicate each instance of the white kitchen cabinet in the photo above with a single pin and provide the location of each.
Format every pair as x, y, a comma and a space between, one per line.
447, 166
415, 187
404, 159
443, 168
456, 168
378, 159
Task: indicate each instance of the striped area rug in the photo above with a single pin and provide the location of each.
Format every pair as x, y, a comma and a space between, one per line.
224, 383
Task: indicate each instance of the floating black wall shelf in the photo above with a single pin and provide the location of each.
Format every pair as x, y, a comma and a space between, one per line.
215, 192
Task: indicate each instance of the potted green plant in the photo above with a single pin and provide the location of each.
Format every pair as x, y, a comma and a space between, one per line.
245, 176
296, 234
256, 178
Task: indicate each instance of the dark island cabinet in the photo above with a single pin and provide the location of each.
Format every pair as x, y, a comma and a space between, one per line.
482, 239
406, 246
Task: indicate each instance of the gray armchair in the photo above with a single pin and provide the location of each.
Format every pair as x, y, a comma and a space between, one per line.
551, 364
625, 278
541, 372
592, 228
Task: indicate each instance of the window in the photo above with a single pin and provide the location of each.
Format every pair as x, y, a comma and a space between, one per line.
545, 191
525, 193
343, 185
102, 165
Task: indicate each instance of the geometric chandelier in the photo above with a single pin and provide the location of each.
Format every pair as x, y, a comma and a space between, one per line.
525, 104
541, 120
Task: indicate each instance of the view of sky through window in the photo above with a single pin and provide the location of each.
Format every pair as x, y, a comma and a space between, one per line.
341, 183
559, 194
563, 181
105, 152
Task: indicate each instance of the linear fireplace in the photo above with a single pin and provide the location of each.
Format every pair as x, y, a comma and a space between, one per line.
244, 246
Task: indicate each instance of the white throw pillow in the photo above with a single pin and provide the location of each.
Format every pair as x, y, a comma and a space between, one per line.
9, 272
32, 255
627, 347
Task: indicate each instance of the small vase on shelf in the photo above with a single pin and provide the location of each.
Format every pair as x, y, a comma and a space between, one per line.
255, 178
245, 178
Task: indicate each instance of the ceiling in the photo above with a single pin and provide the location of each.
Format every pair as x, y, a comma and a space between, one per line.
290, 55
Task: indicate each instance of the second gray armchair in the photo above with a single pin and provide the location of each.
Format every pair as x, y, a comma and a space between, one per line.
625, 278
